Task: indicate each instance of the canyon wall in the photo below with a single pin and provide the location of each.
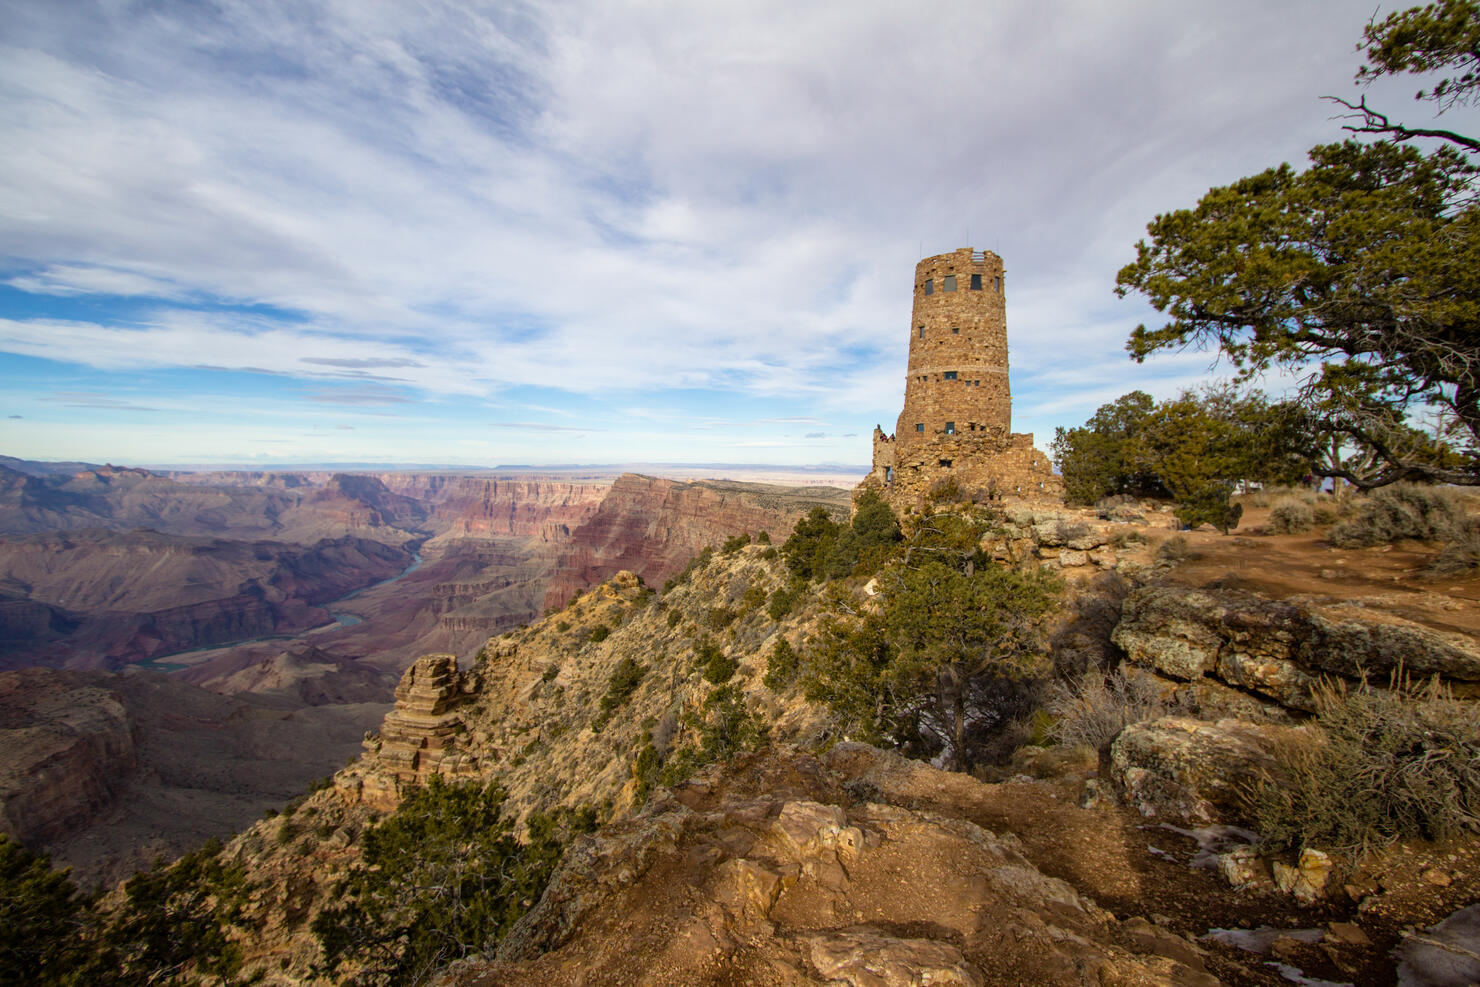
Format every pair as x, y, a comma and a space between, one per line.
94, 598
652, 527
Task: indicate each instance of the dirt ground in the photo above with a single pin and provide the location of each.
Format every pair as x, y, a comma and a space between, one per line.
1388, 578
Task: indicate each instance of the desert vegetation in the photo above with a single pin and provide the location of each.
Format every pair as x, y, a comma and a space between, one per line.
1376, 765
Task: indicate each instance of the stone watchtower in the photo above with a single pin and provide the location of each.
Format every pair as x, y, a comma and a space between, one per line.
957, 417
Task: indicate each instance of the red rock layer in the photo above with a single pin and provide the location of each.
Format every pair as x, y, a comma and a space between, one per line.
653, 526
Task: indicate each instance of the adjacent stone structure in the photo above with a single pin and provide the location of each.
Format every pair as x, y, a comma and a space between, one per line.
957, 417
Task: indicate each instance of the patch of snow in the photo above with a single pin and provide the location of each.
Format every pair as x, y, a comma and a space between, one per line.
1295, 975
1213, 840
1259, 940
1445, 955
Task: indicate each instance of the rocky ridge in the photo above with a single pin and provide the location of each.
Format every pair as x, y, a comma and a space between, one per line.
855, 866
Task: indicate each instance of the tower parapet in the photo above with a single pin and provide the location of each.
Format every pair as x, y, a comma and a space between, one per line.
957, 417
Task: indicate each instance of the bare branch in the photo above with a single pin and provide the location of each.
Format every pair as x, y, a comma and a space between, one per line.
1374, 122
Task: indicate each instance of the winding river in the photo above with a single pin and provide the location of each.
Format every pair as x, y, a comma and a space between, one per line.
161, 663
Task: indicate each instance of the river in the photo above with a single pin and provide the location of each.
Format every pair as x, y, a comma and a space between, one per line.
160, 664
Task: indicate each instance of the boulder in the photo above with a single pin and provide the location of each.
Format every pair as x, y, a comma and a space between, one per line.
1190, 770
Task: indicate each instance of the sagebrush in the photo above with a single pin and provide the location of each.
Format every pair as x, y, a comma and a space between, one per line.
1378, 765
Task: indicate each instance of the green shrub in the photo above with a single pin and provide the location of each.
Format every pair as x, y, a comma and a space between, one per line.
173, 918
1290, 517
40, 912
674, 617
722, 727
1380, 766
931, 669
782, 666
624, 680
720, 668
1210, 504
645, 770
734, 543
785, 599
441, 878
821, 548
600, 633
764, 538
1403, 510
721, 617
752, 599
562, 626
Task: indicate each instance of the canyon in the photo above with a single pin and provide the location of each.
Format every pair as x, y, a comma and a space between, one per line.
805, 857
287, 598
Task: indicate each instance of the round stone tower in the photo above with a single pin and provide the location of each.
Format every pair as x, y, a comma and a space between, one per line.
957, 378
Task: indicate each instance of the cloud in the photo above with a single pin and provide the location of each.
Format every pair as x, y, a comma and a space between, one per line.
543, 427
16, 416
696, 200
359, 363
368, 394
88, 399
72, 279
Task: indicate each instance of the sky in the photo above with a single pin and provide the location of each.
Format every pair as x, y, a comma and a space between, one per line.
598, 232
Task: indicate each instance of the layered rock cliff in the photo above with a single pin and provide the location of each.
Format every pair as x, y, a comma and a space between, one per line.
652, 527
112, 598
107, 771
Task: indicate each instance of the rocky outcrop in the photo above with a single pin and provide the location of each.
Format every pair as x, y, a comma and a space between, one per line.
420, 737
1079, 542
652, 527
1280, 648
66, 748
771, 870
1191, 770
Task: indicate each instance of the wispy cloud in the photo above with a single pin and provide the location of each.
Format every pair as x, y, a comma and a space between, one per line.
367, 394
87, 399
543, 427
359, 363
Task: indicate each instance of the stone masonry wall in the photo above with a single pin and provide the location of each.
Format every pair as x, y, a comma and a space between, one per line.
957, 417
957, 377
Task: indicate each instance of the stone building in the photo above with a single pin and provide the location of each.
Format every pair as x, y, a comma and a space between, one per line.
957, 417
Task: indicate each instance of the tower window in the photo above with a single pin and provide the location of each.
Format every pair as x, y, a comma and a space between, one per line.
919, 426
922, 328
996, 283
946, 463
929, 287
950, 284
976, 282
950, 375
950, 428
955, 331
